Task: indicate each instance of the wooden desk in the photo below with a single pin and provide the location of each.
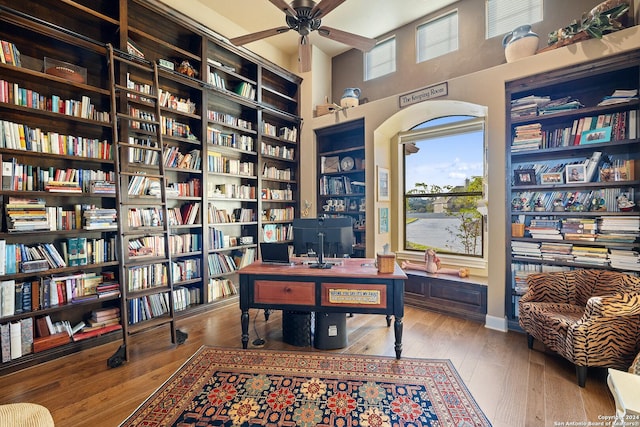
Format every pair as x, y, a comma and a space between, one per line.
354, 287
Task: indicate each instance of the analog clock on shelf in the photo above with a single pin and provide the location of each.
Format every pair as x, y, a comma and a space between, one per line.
347, 163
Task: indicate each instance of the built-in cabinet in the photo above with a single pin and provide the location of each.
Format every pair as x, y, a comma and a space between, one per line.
573, 163
175, 154
341, 176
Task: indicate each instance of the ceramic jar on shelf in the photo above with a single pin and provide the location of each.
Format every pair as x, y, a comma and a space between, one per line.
520, 43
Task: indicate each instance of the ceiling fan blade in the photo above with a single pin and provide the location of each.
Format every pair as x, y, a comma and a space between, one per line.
248, 38
321, 9
364, 44
304, 55
284, 6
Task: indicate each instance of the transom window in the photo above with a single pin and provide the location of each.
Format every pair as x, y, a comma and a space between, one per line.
505, 15
438, 37
381, 60
443, 183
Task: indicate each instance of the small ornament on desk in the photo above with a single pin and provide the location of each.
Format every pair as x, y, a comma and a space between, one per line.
539, 206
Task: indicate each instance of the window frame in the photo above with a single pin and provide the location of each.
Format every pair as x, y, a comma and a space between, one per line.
468, 125
366, 55
499, 22
439, 18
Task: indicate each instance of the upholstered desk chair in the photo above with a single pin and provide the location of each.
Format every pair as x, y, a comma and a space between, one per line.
589, 317
25, 415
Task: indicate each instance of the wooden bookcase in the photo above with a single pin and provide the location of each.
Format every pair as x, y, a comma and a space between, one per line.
562, 221
341, 176
217, 131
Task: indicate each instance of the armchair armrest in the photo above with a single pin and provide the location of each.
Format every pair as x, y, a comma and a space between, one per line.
611, 306
556, 287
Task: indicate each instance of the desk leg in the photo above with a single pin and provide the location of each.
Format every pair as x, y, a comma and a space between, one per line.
244, 320
398, 332
388, 320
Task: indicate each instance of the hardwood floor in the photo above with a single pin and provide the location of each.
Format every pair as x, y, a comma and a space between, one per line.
513, 386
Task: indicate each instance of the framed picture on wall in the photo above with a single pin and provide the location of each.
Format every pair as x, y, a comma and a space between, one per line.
383, 184
383, 225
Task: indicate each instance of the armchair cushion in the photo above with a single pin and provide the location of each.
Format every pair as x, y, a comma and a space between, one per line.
590, 317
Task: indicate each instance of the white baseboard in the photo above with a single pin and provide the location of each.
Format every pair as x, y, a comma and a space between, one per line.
496, 323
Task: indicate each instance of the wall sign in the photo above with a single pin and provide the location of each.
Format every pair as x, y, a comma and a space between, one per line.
435, 91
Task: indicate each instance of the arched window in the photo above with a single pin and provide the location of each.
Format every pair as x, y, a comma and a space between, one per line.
444, 186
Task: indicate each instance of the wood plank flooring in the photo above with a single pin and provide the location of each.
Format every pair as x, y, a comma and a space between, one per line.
513, 386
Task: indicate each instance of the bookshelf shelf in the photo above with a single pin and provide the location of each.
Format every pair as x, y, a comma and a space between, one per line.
589, 206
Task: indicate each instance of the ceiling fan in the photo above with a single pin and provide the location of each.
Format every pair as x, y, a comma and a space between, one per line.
304, 16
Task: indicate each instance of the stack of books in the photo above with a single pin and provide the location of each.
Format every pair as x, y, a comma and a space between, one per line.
624, 259
591, 255
100, 219
25, 214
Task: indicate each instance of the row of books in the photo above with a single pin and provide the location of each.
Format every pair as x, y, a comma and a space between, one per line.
145, 217
218, 163
147, 276
232, 140
144, 151
171, 127
157, 305
146, 246
520, 271
25, 258
289, 134
17, 176
613, 126
191, 188
220, 264
279, 214
223, 216
140, 185
623, 228
231, 191
276, 194
17, 136
584, 255
229, 120
187, 214
185, 269
147, 119
277, 232
12, 93
273, 172
185, 243
278, 151
10, 54
220, 288
246, 90
173, 158
172, 102
339, 185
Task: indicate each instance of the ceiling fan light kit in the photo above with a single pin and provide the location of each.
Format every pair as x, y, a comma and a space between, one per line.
305, 16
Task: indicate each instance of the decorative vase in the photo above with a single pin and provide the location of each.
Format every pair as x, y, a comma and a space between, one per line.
520, 43
350, 97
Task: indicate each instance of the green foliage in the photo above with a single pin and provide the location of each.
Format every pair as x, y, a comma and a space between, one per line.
595, 24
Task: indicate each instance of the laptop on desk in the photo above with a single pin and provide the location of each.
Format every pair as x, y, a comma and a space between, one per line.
275, 253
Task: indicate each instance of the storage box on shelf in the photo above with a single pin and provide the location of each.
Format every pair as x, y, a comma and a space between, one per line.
341, 176
574, 164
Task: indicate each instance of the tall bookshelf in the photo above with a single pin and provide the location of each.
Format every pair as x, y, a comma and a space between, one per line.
215, 132
341, 176
56, 147
558, 219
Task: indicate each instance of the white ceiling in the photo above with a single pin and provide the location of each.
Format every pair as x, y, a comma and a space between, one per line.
369, 18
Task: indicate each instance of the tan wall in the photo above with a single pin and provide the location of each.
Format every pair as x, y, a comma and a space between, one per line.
474, 52
483, 88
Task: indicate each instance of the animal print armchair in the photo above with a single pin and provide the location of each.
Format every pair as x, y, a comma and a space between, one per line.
589, 317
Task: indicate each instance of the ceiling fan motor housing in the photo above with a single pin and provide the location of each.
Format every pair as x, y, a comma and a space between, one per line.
303, 22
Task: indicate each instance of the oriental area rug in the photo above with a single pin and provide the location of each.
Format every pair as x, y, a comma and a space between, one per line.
225, 387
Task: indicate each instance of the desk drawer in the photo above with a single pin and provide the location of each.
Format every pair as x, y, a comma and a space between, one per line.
276, 292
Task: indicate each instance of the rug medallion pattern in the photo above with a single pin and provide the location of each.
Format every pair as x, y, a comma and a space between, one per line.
219, 387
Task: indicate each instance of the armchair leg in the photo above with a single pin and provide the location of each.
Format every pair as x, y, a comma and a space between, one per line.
530, 341
581, 372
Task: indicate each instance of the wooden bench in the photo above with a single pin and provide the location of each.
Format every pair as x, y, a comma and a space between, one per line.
448, 294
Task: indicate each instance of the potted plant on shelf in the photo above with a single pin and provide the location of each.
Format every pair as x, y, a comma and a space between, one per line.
602, 19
